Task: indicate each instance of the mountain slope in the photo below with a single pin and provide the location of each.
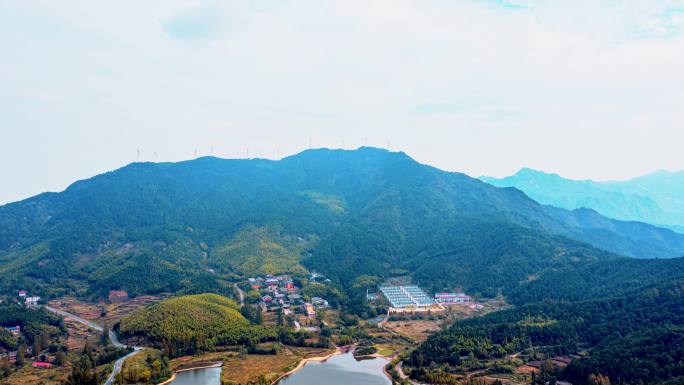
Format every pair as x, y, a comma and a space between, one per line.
190, 226
656, 198
633, 337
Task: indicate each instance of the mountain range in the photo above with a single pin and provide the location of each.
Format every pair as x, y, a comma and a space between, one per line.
193, 226
656, 198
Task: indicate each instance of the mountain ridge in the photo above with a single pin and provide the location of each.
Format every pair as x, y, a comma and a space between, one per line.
656, 198
191, 226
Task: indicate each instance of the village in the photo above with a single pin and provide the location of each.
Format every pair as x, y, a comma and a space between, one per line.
40, 360
280, 296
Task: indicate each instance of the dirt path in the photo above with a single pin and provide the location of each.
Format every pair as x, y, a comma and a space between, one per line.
403, 375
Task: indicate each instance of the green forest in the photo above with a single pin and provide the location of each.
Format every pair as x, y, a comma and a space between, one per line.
633, 338
192, 324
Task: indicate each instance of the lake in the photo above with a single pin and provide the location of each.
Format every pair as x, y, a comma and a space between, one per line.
341, 369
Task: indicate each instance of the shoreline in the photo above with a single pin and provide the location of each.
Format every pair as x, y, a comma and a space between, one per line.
338, 350
216, 364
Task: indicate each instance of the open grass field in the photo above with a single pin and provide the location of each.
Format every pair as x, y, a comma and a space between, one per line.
417, 330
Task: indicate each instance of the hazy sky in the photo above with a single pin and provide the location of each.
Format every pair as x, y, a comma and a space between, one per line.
588, 89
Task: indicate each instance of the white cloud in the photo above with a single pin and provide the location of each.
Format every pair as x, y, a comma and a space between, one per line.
587, 89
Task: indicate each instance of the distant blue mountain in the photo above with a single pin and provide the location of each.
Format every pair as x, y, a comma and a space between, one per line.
656, 198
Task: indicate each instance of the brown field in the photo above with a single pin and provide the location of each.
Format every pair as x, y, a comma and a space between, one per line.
114, 311
526, 369
253, 368
32, 376
418, 330
78, 334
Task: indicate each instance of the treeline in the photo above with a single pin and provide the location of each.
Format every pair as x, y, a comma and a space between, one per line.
83, 365
632, 339
147, 367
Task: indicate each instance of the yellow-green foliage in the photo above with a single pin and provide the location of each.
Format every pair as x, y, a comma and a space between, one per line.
192, 323
261, 250
331, 202
147, 367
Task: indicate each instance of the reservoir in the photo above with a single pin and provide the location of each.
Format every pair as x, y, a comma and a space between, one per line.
341, 369
208, 376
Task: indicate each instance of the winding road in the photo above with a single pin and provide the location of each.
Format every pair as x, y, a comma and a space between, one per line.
241, 295
118, 364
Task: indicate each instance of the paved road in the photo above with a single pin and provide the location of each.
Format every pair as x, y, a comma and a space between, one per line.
118, 364
241, 294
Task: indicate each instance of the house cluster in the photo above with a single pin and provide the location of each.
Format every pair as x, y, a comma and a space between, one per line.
27, 299
280, 292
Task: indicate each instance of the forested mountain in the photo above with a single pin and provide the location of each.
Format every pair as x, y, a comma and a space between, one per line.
189, 226
656, 198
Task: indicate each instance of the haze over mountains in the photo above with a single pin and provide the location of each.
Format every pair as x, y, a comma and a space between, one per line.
187, 226
656, 198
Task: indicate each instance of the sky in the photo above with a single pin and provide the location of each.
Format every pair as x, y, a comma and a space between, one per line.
587, 89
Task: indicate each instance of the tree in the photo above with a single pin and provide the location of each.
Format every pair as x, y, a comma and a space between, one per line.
104, 340
37, 347
279, 317
598, 379
246, 312
21, 355
258, 317
5, 367
88, 353
82, 373
60, 357
45, 339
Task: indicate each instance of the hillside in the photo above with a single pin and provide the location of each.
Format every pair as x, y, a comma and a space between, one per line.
635, 337
191, 226
191, 324
656, 198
